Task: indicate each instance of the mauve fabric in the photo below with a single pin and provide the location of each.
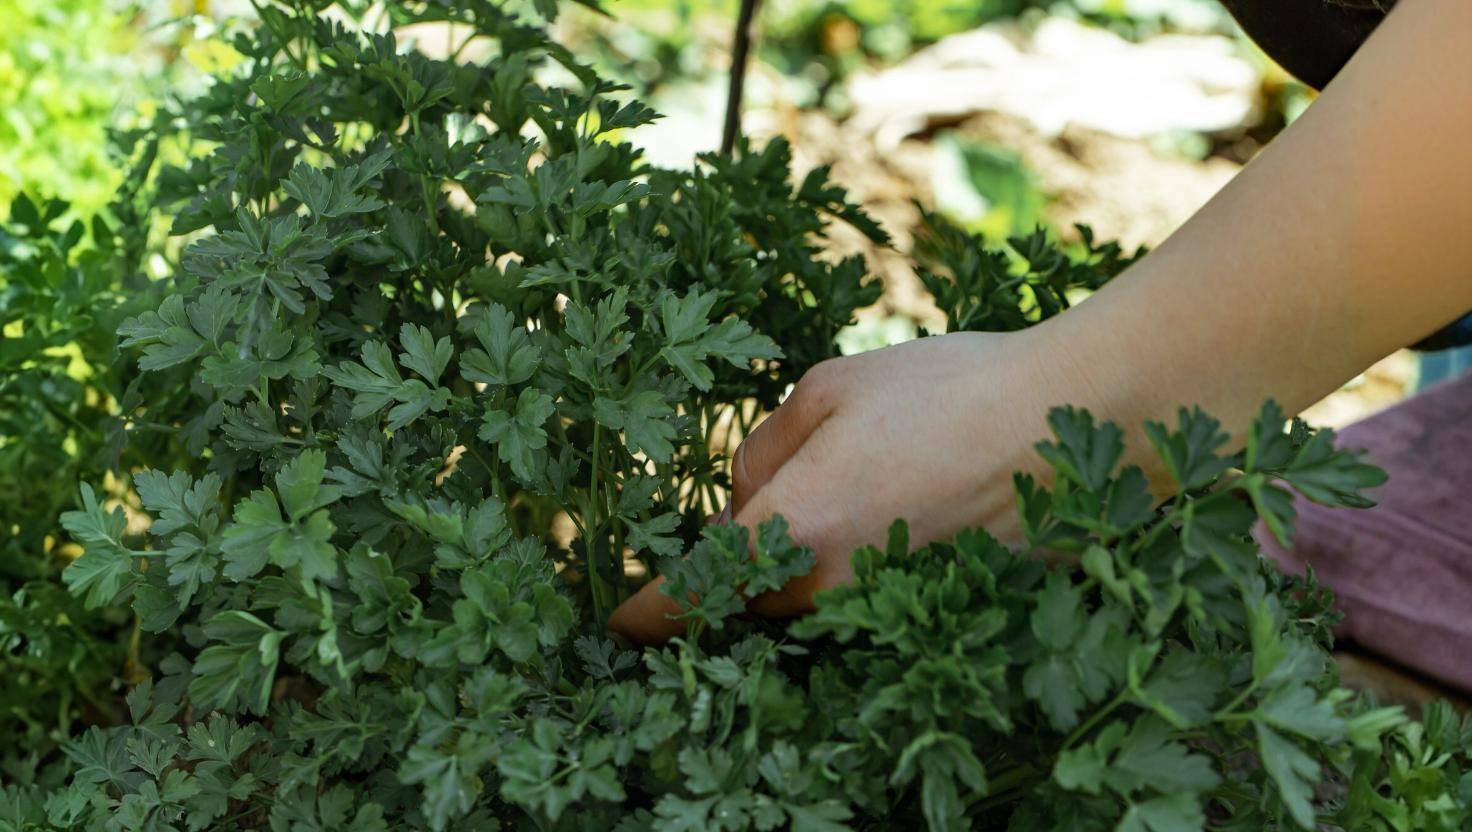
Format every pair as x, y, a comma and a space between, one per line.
1402, 571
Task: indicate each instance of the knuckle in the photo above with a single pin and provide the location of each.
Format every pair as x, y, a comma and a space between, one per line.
821, 385
741, 464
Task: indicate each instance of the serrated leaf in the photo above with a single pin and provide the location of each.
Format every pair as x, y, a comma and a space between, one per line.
1294, 772
1172, 813
690, 338
106, 565
518, 434
1190, 451
646, 420
333, 192
507, 355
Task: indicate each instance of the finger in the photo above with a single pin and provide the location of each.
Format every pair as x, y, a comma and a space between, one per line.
644, 618
796, 596
779, 436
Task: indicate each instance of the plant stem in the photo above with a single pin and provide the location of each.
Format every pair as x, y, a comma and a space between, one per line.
1089, 724
426, 190
1236, 702
604, 594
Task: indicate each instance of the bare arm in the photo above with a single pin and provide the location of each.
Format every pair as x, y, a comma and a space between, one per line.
1347, 238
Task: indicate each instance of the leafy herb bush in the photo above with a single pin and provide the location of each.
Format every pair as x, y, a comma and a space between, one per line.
451, 368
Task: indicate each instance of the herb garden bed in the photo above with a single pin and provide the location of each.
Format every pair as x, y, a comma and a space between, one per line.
394, 261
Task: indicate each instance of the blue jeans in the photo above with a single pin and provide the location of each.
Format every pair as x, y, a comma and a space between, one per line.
1440, 366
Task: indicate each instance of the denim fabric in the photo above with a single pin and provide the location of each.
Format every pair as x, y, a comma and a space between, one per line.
1437, 367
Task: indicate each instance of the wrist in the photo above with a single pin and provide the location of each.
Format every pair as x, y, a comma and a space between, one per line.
1096, 358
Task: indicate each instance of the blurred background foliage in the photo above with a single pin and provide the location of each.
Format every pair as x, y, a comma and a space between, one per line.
68, 69
676, 55
821, 41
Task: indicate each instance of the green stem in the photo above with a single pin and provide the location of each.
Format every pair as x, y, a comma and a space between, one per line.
604, 594
1236, 702
1001, 786
1093, 721
426, 190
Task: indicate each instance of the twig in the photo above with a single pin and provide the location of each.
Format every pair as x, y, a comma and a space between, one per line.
740, 50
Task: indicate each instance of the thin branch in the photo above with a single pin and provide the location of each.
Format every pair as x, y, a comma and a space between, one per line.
740, 51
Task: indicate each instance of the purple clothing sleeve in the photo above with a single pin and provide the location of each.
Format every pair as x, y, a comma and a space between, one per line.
1402, 571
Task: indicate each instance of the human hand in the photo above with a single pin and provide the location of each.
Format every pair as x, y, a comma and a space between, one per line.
928, 431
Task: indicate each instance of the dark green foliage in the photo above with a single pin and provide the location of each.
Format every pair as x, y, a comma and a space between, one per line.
445, 362
994, 290
63, 288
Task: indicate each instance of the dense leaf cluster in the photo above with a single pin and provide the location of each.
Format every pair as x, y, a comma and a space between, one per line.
444, 370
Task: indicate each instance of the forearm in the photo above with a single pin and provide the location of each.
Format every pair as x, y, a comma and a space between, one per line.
1349, 237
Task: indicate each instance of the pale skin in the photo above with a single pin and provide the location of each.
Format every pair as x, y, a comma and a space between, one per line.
1346, 239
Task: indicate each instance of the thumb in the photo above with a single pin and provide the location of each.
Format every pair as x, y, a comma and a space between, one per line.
768, 447
647, 617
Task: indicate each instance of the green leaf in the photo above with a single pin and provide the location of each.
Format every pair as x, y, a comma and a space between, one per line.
1098, 563
507, 355
300, 485
106, 565
1083, 453
646, 420
300, 541
725, 569
237, 671
1269, 448
1294, 772
1059, 618
1182, 688
247, 544
828, 816
1173, 813
177, 501
1295, 708
333, 193
1083, 768
518, 434
167, 336
690, 338
1053, 682
1330, 476
449, 790
1274, 505
376, 382
423, 354
1221, 528
654, 535
278, 90
1149, 758
1190, 452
